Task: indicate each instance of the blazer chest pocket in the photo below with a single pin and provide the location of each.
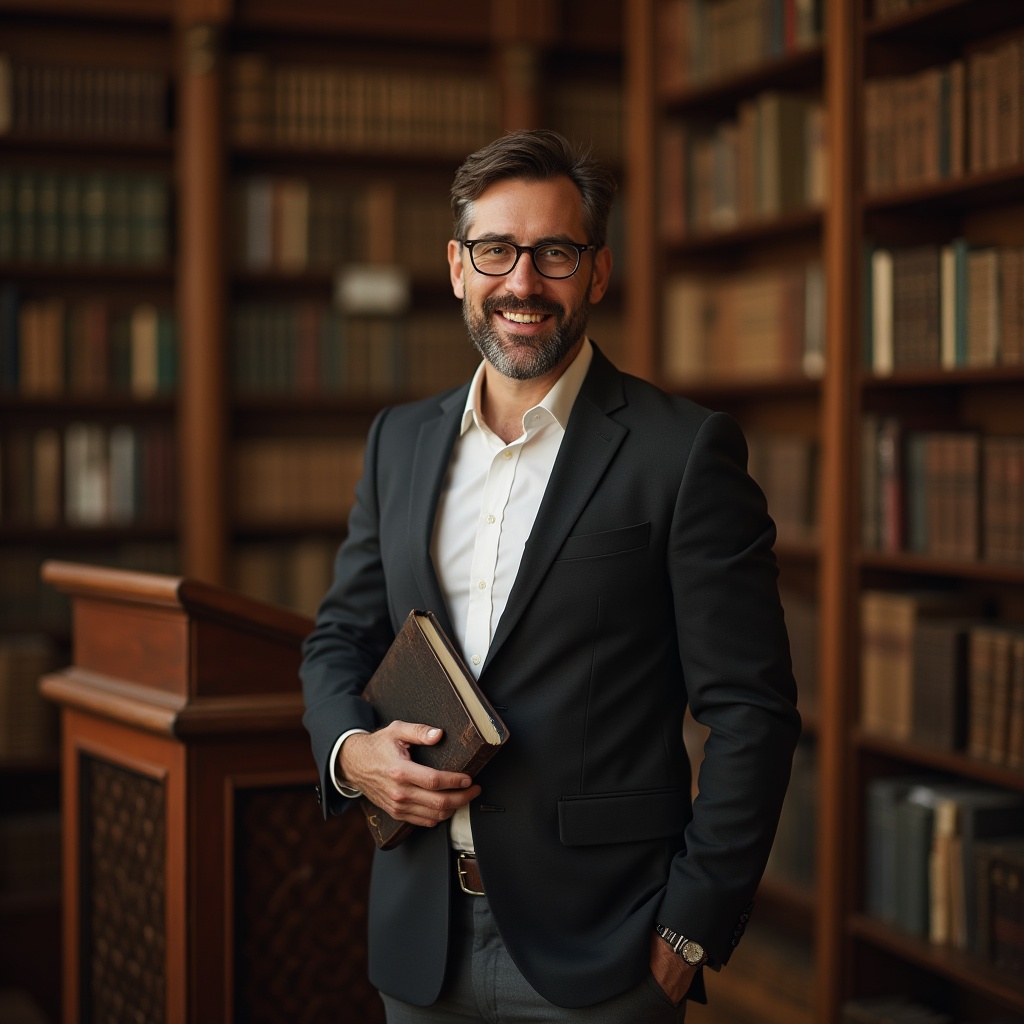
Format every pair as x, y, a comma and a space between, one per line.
622, 817
611, 542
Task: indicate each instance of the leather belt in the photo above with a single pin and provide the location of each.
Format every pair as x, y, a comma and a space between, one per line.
467, 871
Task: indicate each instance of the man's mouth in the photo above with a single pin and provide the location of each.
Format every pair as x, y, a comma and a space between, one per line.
523, 318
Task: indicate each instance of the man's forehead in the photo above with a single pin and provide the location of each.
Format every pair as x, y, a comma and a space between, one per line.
538, 209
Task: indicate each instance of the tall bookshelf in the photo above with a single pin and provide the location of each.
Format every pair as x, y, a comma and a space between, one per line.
224, 367
919, 239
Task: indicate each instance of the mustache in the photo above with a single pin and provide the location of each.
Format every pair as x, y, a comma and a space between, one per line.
515, 305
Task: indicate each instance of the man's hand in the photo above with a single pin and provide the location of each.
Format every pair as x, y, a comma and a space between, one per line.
670, 971
379, 764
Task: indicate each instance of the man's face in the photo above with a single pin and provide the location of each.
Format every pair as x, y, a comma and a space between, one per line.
524, 324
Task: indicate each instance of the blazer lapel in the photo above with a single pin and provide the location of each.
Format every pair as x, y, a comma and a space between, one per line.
591, 440
430, 464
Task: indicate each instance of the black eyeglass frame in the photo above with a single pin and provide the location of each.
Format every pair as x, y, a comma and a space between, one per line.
520, 249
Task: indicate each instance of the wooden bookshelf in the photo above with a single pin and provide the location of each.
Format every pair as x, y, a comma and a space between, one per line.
863, 42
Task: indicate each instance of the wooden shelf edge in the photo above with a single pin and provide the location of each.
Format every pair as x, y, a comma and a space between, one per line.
970, 972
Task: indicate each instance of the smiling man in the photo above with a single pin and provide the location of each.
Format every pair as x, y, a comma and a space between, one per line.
600, 555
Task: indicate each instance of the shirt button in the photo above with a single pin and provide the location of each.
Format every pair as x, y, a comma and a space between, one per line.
507, 453
490, 519
476, 659
482, 584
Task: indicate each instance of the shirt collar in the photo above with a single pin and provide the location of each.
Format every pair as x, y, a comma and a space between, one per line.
558, 401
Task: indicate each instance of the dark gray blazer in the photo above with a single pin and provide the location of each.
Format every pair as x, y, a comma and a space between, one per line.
648, 581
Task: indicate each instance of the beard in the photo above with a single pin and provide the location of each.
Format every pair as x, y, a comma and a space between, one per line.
525, 358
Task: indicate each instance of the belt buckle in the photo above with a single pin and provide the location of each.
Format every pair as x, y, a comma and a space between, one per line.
461, 871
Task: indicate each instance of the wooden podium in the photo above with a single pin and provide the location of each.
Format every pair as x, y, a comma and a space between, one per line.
201, 883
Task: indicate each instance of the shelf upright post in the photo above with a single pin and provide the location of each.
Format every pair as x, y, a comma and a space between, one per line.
837, 859
202, 425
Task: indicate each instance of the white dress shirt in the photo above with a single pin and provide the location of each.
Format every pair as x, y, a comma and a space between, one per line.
487, 509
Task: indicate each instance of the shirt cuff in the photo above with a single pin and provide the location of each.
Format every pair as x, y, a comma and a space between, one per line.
339, 783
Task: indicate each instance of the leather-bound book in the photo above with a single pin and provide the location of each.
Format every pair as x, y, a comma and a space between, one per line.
422, 679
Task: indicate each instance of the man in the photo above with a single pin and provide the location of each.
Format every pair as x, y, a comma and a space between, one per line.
601, 556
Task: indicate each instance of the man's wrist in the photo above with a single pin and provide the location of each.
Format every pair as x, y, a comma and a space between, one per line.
340, 784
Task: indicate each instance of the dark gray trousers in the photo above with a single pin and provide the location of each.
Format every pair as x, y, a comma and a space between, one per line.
483, 984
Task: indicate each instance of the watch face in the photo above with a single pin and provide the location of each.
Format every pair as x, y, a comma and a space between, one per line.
693, 952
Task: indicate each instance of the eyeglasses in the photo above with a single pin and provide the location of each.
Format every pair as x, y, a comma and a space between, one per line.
552, 259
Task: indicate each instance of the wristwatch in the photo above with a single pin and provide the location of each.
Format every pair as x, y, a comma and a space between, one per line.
690, 951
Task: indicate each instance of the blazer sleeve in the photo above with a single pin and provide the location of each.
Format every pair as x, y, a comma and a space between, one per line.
738, 676
352, 631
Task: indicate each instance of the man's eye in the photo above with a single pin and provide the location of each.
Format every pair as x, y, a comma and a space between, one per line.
555, 253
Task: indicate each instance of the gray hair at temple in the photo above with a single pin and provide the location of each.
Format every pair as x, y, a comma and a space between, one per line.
535, 155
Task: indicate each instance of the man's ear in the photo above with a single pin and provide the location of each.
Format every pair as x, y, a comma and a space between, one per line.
456, 268
601, 273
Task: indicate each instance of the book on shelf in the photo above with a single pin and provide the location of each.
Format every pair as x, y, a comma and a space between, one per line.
346, 107
423, 679
995, 695
999, 868
84, 217
939, 683
754, 324
945, 120
295, 480
700, 41
55, 100
766, 161
888, 642
803, 622
923, 834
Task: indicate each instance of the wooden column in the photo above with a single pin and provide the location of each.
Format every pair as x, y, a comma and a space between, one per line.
643, 171
201, 883
202, 429
839, 511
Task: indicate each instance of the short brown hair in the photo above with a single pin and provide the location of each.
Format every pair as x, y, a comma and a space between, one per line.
535, 155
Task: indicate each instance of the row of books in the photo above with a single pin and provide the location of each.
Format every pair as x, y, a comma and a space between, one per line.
310, 348
291, 225
767, 161
947, 120
938, 856
755, 324
950, 494
292, 574
89, 102
51, 216
295, 480
88, 475
703, 40
28, 605
360, 108
28, 723
786, 468
56, 346
944, 306
934, 672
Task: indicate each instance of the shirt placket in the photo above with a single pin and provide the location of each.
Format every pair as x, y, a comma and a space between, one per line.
497, 489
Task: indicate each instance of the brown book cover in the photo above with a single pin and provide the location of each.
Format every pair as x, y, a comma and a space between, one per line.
422, 679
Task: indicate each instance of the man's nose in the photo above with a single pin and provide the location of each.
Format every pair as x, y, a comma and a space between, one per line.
523, 278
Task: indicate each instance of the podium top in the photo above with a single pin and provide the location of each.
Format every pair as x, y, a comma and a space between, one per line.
176, 653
